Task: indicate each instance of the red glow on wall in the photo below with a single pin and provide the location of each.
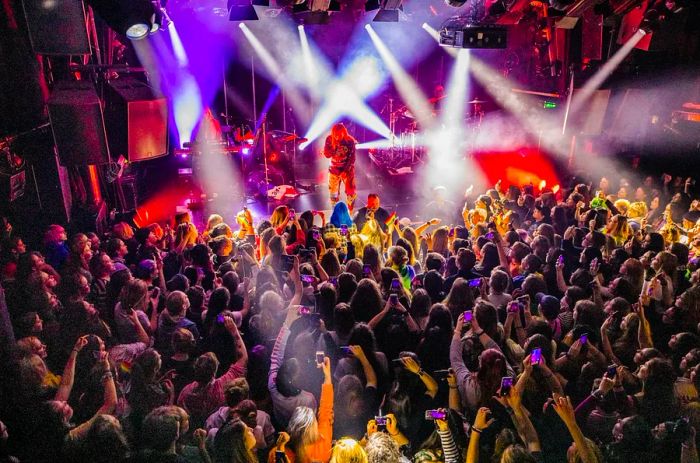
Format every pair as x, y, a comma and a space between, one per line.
162, 206
522, 166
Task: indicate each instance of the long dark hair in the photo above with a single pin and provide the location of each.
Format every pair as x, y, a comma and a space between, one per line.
363, 336
492, 367
367, 300
658, 402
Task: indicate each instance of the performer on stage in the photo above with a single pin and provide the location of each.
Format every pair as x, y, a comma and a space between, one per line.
340, 149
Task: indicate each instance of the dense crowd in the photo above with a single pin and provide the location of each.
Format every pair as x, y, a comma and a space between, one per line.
527, 326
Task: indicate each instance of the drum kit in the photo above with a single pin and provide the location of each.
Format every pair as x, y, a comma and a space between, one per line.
407, 148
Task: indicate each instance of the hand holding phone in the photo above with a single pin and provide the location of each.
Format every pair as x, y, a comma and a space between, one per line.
536, 356
514, 307
393, 299
468, 316
395, 285
438, 414
506, 386
320, 357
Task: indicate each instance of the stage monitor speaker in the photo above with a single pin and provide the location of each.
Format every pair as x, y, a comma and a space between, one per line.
78, 125
590, 121
137, 120
57, 27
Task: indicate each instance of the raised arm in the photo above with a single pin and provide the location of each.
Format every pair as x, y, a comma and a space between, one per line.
562, 405
241, 352
481, 422
369, 372
68, 377
430, 384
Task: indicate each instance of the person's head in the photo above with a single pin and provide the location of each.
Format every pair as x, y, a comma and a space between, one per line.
370, 256
499, 281
178, 282
381, 448
347, 284
420, 303
134, 295
665, 262
237, 391
182, 341
213, 221
31, 345
549, 307
348, 450
653, 242
218, 302
460, 298
303, 430
465, 259
163, 426
145, 368
28, 324
363, 336
588, 313
343, 318
235, 442
146, 270
373, 202
441, 240
341, 215
367, 300
632, 434
339, 132
177, 304
492, 367
105, 440
434, 261
55, 234
205, 368
186, 235
279, 216
398, 257
433, 284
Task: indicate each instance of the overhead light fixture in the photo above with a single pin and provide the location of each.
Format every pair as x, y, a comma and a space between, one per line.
456, 3
244, 10
161, 20
315, 11
390, 11
133, 18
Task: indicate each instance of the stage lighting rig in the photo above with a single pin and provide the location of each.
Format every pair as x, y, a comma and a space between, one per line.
460, 32
133, 18
244, 10
389, 10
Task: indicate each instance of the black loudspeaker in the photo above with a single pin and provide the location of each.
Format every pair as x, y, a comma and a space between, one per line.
57, 27
78, 125
137, 120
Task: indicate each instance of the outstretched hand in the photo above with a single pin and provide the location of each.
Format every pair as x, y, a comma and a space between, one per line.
482, 420
562, 405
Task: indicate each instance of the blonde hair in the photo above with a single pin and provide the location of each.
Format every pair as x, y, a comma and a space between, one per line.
279, 215
213, 221
637, 210
622, 205
348, 450
303, 431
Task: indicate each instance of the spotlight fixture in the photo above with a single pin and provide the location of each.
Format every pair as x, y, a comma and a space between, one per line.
458, 32
390, 11
244, 10
456, 3
133, 18
161, 20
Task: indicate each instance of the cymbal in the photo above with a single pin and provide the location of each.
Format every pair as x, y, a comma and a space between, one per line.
476, 101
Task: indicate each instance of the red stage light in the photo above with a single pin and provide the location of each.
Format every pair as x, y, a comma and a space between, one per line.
520, 166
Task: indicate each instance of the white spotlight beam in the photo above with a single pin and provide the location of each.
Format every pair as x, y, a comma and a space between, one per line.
309, 65
584, 94
406, 86
275, 70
